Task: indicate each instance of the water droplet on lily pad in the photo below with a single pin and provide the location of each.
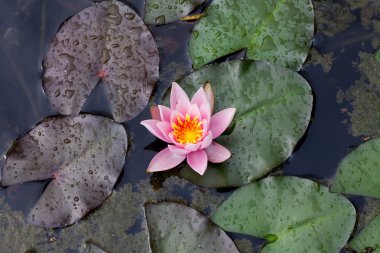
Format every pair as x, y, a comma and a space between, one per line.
359, 172
290, 213
91, 46
67, 169
280, 32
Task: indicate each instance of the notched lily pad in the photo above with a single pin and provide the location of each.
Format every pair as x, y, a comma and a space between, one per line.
278, 31
83, 155
273, 108
107, 41
369, 238
295, 215
359, 172
179, 228
159, 12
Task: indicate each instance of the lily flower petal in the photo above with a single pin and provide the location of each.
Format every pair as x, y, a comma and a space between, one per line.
175, 115
182, 105
217, 153
165, 160
151, 125
193, 111
207, 140
205, 124
205, 111
178, 150
164, 127
171, 137
199, 98
198, 161
176, 94
220, 121
165, 113
192, 147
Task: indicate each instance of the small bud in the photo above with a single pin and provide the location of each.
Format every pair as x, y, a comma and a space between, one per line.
209, 94
155, 112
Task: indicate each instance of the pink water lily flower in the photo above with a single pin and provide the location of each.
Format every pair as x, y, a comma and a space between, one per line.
189, 129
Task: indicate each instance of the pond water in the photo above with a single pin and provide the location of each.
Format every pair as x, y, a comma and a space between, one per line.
345, 41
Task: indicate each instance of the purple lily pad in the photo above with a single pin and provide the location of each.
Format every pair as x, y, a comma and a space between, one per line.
83, 155
109, 42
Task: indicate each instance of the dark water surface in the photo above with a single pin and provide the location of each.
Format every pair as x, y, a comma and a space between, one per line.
26, 27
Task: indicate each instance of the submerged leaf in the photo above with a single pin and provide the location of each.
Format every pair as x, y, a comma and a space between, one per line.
273, 111
92, 248
297, 215
359, 172
369, 238
179, 228
107, 41
83, 155
159, 12
278, 31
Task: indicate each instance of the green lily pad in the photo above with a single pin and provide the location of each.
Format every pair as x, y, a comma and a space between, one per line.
273, 111
295, 215
159, 12
179, 228
359, 172
278, 31
369, 238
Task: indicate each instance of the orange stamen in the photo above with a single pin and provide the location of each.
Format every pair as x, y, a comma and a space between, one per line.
187, 131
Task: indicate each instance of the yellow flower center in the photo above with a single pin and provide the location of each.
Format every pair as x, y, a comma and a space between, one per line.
187, 131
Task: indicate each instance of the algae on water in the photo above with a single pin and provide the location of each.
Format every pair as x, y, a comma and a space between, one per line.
364, 97
331, 17
324, 60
